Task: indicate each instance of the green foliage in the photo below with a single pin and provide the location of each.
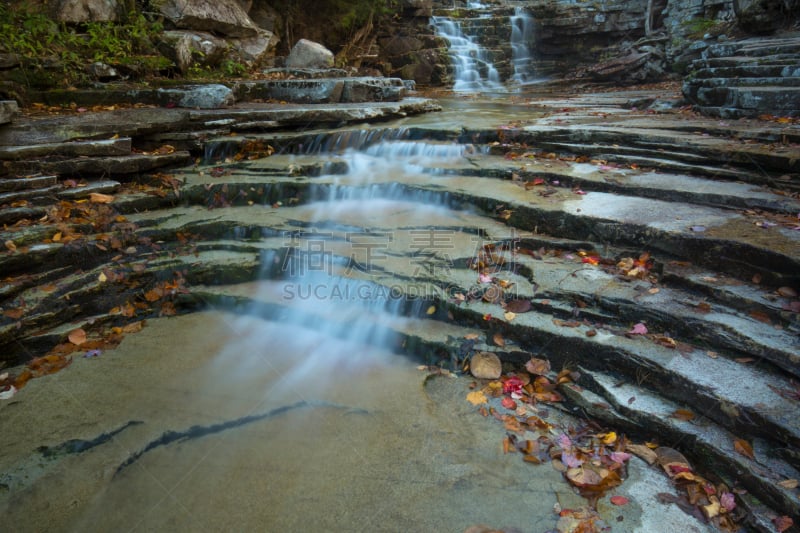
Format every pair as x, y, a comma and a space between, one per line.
698, 27
65, 51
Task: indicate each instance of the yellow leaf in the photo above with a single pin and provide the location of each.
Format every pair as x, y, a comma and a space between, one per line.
610, 438
477, 397
102, 277
431, 310
57, 237
509, 316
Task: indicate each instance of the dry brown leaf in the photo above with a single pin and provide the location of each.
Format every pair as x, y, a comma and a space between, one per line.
788, 483
498, 339
643, 452
538, 367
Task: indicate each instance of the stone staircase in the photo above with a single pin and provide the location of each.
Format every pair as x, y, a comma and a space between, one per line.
747, 77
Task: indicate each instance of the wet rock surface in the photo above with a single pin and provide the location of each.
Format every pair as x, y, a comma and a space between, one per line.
658, 253
747, 77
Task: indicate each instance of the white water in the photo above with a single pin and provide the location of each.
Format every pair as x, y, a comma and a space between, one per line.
522, 39
474, 70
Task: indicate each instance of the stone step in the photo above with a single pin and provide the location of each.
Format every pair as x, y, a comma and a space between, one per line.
757, 47
109, 147
27, 183
782, 60
748, 100
623, 180
627, 405
789, 83
328, 90
773, 73
103, 165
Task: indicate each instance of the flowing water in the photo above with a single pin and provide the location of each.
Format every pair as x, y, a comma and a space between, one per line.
522, 39
472, 63
296, 401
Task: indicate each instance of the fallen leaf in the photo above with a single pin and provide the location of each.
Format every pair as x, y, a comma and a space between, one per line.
477, 397
643, 452
518, 306
727, 501
619, 457
538, 367
712, 509
683, 414
10, 246
788, 483
609, 438
508, 403
508, 315
77, 336
743, 447
619, 500
99, 198
761, 316
431, 310
498, 339
638, 329
782, 523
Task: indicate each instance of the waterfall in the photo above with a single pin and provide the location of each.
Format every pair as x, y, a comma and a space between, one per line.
474, 71
521, 40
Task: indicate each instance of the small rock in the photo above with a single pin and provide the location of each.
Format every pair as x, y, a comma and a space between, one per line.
485, 365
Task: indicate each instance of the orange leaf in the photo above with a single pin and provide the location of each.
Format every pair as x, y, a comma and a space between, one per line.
14, 314
77, 337
743, 448
134, 327
683, 414
153, 295
99, 198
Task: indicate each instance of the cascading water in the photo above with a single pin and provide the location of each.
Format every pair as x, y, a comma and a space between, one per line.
474, 70
521, 40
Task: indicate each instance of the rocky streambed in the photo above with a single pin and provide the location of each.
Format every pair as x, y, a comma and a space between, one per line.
653, 253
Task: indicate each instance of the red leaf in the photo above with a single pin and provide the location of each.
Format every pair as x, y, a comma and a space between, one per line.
508, 403
619, 500
782, 523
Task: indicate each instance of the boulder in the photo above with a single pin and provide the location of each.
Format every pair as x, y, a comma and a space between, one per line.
186, 48
8, 109
220, 16
255, 50
485, 365
417, 8
760, 16
89, 10
103, 71
213, 96
308, 54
